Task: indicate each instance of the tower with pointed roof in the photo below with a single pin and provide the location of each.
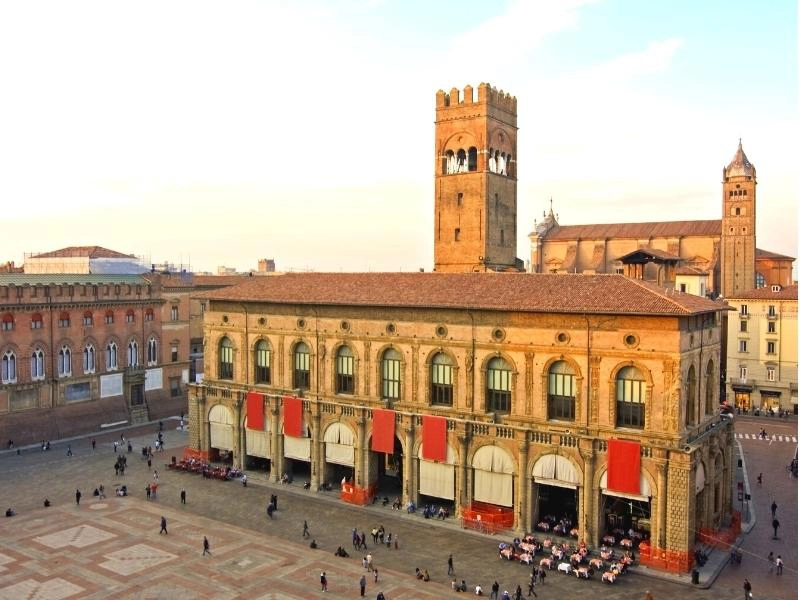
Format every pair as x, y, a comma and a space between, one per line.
475, 218
738, 236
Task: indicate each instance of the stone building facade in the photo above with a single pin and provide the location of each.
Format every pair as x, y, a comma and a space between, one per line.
81, 350
762, 349
537, 380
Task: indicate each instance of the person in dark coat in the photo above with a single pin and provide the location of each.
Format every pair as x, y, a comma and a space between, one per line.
78, 497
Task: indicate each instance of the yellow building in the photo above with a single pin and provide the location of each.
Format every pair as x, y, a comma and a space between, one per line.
588, 398
762, 349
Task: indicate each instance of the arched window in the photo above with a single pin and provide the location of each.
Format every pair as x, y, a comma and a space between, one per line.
63, 319
630, 397
149, 315
344, 371
37, 364
442, 380
262, 360
111, 356
64, 362
498, 386
761, 281
88, 319
691, 396
152, 351
88, 358
711, 381
491, 161
130, 316
7, 323
509, 172
133, 353
449, 166
225, 358
461, 161
36, 321
472, 159
109, 318
302, 367
8, 368
390, 375
561, 391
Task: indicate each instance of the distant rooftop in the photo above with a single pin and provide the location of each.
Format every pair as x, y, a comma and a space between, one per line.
83, 252
20, 279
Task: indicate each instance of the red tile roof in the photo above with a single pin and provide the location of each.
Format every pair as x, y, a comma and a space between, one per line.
635, 230
550, 293
83, 251
788, 292
766, 254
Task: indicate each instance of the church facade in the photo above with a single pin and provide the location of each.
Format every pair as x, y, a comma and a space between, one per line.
721, 254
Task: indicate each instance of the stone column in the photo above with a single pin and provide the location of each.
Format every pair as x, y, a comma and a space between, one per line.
463, 479
661, 518
588, 519
360, 478
239, 449
276, 462
524, 483
410, 467
317, 452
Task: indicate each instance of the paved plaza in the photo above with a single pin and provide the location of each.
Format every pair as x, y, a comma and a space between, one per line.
112, 547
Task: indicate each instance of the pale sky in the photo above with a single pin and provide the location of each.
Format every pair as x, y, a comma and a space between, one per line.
218, 133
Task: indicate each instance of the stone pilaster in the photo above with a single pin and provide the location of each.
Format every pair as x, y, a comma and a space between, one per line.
587, 522
463, 482
411, 466
276, 462
361, 475
524, 485
317, 451
529, 383
660, 533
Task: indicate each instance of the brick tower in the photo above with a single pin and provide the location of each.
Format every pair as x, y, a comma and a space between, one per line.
475, 223
738, 239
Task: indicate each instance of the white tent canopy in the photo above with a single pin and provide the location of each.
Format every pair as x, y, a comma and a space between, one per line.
221, 427
438, 479
339, 442
494, 476
297, 448
552, 469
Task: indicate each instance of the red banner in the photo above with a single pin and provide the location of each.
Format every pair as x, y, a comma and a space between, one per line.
383, 430
434, 438
624, 466
292, 416
255, 411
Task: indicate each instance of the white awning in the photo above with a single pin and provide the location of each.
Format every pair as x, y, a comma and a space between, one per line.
644, 489
220, 414
257, 443
299, 448
338, 433
438, 479
699, 478
221, 436
267, 424
493, 476
552, 469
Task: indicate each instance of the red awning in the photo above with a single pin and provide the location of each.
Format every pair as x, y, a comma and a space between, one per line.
434, 438
624, 466
255, 411
292, 416
383, 430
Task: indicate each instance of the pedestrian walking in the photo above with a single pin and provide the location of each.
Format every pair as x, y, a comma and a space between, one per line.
362, 584
518, 593
363, 540
771, 561
775, 525
396, 543
760, 479
115, 446
69, 453
495, 591
531, 586
305, 532
774, 507
206, 546
78, 497
375, 575
450, 570
163, 526
275, 501
369, 561
94, 444
183, 496
147, 491
542, 575
779, 565
380, 596
270, 510
155, 475
323, 581
748, 589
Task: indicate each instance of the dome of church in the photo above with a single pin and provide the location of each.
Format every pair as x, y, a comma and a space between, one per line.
740, 166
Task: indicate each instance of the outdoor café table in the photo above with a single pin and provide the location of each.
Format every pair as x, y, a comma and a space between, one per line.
626, 543
530, 548
609, 539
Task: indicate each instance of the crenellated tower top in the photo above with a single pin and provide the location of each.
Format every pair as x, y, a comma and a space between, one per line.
492, 99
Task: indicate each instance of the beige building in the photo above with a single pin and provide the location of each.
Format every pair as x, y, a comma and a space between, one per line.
762, 349
538, 383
